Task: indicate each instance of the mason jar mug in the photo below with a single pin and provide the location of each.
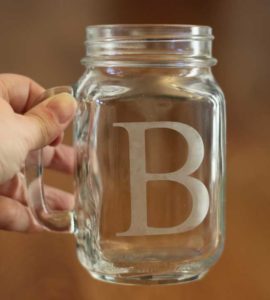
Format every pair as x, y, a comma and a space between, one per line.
149, 141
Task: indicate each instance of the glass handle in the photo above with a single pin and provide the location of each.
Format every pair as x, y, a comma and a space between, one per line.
33, 171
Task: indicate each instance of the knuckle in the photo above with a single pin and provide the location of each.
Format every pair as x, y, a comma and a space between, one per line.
13, 215
8, 213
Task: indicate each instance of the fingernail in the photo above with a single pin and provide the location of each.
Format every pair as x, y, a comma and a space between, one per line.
63, 106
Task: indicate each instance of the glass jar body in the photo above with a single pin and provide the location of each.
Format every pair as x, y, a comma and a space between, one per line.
150, 144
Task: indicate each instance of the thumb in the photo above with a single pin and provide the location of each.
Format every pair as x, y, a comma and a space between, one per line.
47, 120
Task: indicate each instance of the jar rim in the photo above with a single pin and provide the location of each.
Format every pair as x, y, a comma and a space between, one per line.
145, 44
110, 32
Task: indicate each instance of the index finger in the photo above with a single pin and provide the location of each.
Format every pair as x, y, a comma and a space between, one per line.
20, 91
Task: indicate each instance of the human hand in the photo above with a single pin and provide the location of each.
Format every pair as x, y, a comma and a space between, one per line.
26, 126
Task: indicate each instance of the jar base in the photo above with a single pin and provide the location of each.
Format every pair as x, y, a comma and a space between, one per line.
159, 279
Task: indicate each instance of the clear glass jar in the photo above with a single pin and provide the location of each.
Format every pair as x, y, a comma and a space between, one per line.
150, 144
149, 138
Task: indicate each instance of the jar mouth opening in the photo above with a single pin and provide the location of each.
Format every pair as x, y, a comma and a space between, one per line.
116, 32
156, 44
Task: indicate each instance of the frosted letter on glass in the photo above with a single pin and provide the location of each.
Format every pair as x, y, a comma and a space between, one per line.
139, 177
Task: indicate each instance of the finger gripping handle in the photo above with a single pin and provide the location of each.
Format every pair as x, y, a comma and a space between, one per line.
50, 220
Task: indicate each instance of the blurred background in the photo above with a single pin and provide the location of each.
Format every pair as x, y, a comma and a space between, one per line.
45, 40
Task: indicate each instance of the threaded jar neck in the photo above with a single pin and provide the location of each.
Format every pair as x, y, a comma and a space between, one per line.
156, 45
